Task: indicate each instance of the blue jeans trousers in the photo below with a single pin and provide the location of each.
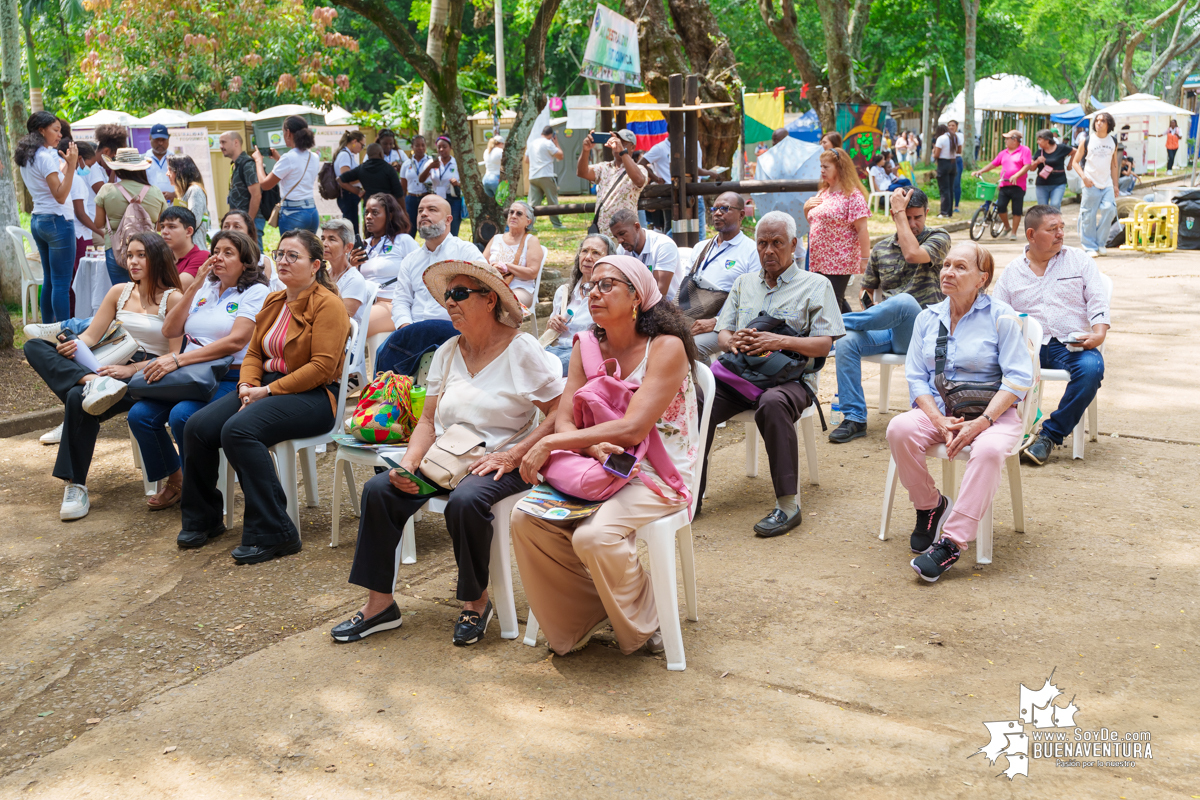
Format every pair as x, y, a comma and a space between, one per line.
402, 351
1097, 210
1050, 195
116, 273
883, 328
1087, 371
55, 238
958, 173
148, 420
293, 217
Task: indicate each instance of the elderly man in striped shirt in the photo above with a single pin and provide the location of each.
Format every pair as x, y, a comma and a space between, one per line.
1062, 289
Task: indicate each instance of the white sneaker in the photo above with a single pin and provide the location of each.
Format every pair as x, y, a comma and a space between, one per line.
43, 330
75, 503
101, 394
1103, 251
1090, 253
53, 437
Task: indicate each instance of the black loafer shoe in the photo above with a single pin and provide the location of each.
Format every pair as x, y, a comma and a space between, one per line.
848, 431
1039, 451
472, 626
253, 554
189, 539
358, 627
776, 524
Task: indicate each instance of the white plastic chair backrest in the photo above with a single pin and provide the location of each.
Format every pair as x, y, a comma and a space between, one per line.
31, 264
372, 293
354, 351
1027, 408
687, 257
707, 384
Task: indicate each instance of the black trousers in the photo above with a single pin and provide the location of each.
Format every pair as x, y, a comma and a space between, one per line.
246, 436
775, 414
348, 203
386, 509
946, 169
1171, 158
80, 428
840, 282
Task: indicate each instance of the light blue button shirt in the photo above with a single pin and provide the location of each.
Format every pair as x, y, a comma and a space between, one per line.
984, 347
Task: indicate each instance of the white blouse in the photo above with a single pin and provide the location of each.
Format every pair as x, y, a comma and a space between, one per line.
297, 172
213, 313
499, 400
580, 319
383, 262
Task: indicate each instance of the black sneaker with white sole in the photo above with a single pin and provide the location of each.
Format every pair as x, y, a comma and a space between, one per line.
941, 557
1039, 450
929, 526
849, 430
472, 625
358, 627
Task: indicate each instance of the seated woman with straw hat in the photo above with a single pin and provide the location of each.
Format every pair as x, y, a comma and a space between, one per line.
486, 383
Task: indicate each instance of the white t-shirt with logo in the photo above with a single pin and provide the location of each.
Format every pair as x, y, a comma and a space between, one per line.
721, 265
351, 285
383, 262
659, 158
660, 254
441, 175
297, 172
212, 313
411, 172
1099, 160
541, 158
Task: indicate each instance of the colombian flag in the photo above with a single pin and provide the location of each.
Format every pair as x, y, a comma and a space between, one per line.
650, 127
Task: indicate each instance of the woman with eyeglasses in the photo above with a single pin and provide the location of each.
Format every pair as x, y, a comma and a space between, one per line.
493, 379
517, 253
571, 314
287, 389
583, 576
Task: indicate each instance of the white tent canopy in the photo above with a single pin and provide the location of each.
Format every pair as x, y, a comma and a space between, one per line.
287, 111
999, 92
165, 116
106, 117
1142, 121
337, 116
1142, 105
223, 115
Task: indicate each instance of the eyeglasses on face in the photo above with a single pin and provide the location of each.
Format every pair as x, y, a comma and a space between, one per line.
286, 256
605, 285
723, 209
460, 293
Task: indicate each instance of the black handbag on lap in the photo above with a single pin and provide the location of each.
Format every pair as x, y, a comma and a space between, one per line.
964, 399
197, 382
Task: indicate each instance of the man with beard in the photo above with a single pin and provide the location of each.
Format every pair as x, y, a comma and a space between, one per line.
422, 323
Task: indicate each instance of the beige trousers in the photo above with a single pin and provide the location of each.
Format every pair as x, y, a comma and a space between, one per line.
576, 574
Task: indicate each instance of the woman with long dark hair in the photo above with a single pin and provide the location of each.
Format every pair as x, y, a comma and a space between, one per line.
53, 222
88, 397
217, 317
387, 227
582, 576
286, 390
189, 192
295, 174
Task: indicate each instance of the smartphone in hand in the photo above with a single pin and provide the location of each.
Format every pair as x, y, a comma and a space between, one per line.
620, 464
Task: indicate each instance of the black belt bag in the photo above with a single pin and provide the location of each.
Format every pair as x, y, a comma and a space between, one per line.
966, 399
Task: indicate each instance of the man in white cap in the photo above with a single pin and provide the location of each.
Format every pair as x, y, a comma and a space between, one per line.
620, 181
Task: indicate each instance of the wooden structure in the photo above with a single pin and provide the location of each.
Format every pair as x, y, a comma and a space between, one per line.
683, 132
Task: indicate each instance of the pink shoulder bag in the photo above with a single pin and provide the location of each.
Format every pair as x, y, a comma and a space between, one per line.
605, 398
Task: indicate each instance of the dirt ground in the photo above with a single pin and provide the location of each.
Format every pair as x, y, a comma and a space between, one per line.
820, 667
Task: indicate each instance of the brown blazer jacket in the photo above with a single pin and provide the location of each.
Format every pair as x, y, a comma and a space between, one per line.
315, 345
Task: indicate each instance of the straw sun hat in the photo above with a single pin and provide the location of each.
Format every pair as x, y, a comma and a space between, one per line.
438, 276
127, 158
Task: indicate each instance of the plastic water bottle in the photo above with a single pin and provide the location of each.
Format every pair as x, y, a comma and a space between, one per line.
417, 396
835, 413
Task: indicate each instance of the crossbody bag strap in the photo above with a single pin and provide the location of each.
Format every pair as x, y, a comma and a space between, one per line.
940, 348
297, 183
608, 194
437, 411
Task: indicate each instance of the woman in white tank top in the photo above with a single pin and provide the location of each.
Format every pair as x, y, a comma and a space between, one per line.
517, 252
91, 393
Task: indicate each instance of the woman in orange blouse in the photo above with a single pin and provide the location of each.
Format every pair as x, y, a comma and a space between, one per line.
287, 390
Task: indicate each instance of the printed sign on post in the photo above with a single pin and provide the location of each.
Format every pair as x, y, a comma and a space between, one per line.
194, 142
612, 50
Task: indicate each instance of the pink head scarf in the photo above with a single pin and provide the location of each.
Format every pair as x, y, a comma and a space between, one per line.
638, 275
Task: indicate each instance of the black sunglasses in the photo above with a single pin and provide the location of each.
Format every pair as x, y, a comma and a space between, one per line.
460, 293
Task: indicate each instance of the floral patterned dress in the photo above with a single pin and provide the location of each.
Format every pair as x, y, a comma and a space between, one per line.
679, 426
624, 196
833, 247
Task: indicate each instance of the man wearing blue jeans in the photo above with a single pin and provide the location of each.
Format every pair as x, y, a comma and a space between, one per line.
904, 271
1062, 289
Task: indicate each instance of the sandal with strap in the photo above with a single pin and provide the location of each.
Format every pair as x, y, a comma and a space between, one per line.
173, 498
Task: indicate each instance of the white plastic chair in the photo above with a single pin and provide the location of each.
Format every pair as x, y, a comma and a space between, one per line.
881, 197
285, 452
1079, 436
31, 270
660, 537
1012, 463
365, 362
808, 433
886, 362
537, 293
224, 479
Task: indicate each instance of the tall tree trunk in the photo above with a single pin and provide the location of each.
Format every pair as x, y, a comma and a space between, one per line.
10, 270
12, 88
971, 16
1138, 37
31, 66
713, 61
783, 24
435, 43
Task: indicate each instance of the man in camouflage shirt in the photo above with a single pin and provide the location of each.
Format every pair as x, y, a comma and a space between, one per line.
903, 277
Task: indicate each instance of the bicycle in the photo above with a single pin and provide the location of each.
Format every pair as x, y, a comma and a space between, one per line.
987, 215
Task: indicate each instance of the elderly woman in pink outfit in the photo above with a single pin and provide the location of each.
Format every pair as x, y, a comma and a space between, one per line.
584, 575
